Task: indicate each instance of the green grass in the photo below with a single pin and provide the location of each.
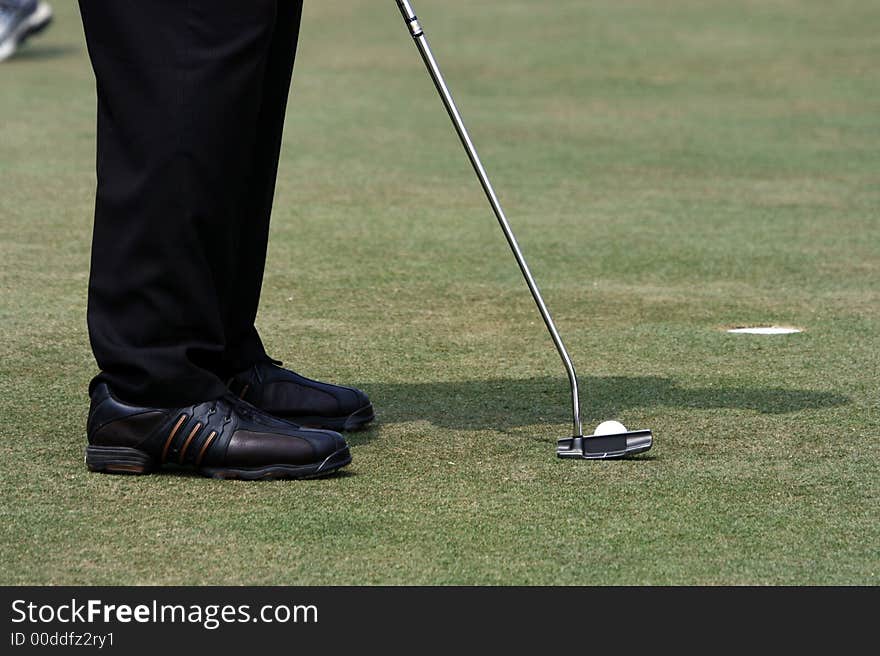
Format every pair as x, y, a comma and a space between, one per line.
672, 169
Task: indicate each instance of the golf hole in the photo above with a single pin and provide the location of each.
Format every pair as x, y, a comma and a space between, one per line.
765, 330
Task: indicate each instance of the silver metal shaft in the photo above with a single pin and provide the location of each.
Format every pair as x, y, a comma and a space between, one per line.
422, 43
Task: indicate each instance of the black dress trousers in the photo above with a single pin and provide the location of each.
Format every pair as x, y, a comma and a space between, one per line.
191, 102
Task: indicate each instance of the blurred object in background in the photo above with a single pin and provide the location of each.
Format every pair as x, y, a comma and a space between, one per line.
19, 20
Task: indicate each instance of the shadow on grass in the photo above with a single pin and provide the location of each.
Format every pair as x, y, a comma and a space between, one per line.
511, 403
185, 472
34, 52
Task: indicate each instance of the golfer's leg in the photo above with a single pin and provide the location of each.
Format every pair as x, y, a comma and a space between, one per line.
243, 343
179, 97
278, 391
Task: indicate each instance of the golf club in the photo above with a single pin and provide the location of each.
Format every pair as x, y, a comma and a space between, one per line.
611, 439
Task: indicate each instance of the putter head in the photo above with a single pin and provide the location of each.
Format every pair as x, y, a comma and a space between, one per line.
605, 447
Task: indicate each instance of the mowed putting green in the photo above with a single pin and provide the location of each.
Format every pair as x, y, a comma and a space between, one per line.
672, 170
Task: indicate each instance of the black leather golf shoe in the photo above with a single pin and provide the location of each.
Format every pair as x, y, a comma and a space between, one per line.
225, 438
307, 402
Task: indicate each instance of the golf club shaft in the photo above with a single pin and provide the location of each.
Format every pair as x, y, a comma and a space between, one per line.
418, 35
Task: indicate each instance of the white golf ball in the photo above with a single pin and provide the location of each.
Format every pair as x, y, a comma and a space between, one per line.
609, 428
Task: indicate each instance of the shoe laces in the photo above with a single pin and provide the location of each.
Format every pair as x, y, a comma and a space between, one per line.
225, 402
238, 406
